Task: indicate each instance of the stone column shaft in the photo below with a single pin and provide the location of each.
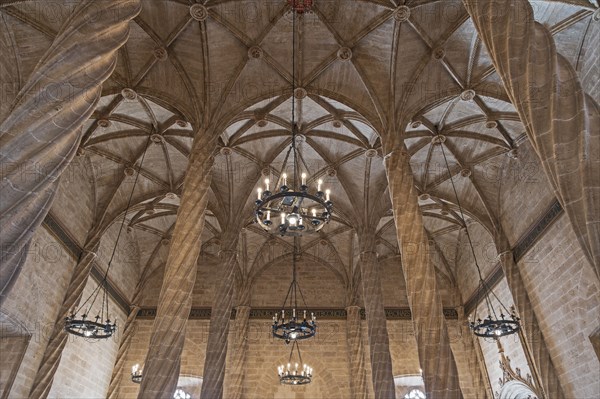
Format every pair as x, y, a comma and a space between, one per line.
543, 367
379, 345
481, 383
356, 354
41, 134
562, 122
437, 361
126, 336
58, 338
161, 368
218, 333
234, 380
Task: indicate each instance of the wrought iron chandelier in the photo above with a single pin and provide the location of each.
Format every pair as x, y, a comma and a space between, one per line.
295, 373
292, 209
100, 326
494, 325
136, 374
295, 327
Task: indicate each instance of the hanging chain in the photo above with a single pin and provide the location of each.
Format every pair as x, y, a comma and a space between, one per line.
481, 280
104, 283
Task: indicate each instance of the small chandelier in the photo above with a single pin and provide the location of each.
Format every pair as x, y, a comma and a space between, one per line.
295, 373
136, 374
493, 326
181, 394
293, 209
100, 326
293, 328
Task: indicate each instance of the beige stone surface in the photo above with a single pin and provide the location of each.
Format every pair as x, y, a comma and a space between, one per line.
43, 130
437, 361
378, 76
562, 122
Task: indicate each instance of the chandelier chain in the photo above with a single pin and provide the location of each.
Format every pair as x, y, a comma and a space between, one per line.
486, 289
103, 283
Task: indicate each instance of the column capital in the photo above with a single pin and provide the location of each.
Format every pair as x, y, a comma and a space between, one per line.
396, 152
504, 254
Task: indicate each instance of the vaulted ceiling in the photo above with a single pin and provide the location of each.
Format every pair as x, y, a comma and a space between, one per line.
364, 68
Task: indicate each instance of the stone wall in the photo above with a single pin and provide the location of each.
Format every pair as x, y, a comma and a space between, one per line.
512, 344
524, 193
35, 299
74, 204
86, 365
565, 294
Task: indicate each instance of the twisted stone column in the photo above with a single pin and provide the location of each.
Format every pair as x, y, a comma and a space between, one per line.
379, 345
218, 332
542, 368
58, 338
480, 388
235, 378
161, 368
435, 355
562, 122
126, 336
356, 354
41, 134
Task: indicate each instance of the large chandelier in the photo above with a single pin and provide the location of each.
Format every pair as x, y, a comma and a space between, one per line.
100, 326
293, 208
295, 373
293, 326
494, 325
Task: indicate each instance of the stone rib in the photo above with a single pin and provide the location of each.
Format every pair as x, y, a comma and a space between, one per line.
433, 343
562, 122
42, 132
161, 368
379, 345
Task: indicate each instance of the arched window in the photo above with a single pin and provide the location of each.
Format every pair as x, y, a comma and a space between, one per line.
415, 394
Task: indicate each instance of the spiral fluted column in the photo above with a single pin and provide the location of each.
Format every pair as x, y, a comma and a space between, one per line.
218, 332
41, 133
542, 368
161, 368
58, 337
234, 380
356, 354
562, 122
124, 345
433, 343
379, 345
480, 383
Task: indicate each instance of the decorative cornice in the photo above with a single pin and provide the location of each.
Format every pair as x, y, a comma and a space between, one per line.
321, 313
531, 237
